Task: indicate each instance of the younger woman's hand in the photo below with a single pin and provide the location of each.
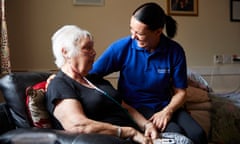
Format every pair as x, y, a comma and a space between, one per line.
161, 119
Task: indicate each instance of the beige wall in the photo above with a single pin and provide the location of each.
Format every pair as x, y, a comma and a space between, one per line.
32, 22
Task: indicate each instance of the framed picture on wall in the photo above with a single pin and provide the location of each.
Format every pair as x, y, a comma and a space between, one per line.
182, 7
89, 2
235, 10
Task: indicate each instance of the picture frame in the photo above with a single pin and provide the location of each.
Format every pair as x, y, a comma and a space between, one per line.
235, 10
89, 2
182, 7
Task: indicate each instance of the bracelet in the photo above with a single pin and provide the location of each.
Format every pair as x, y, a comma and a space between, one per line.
119, 131
145, 125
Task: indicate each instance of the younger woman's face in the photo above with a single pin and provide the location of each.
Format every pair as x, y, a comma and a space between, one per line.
145, 38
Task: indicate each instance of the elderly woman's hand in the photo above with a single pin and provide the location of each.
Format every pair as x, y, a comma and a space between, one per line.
129, 132
150, 130
140, 138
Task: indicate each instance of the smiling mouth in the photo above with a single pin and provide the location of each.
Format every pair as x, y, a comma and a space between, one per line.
140, 43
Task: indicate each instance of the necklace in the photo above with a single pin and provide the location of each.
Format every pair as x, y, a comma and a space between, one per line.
111, 98
92, 85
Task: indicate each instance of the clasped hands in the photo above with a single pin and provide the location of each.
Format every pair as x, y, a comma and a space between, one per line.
158, 121
161, 119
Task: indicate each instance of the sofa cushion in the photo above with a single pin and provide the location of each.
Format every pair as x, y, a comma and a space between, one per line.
196, 95
35, 103
13, 87
196, 80
225, 120
6, 123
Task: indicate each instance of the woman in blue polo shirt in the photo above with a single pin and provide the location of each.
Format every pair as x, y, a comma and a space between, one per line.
153, 77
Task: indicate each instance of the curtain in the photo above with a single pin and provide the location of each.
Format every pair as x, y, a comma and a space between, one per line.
4, 51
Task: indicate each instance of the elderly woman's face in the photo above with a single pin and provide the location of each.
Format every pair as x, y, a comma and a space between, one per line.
82, 62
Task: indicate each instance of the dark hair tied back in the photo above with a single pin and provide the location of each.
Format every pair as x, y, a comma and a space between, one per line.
154, 16
171, 26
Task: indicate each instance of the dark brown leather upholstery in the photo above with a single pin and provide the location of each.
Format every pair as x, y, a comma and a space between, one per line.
14, 119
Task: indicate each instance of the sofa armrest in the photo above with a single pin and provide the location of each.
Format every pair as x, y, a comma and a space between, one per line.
63, 137
13, 87
6, 123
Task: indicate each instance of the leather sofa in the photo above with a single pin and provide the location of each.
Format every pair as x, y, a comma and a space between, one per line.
14, 119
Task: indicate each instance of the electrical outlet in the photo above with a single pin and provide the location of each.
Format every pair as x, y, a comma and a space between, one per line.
218, 59
227, 59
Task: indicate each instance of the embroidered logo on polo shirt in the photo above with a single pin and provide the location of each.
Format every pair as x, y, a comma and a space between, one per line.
159, 70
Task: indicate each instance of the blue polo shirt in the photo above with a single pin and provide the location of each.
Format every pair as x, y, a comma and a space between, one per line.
146, 79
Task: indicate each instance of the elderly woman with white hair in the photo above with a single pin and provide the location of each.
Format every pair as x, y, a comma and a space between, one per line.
83, 103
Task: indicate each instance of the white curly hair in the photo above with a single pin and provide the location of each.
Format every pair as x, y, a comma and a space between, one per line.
67, 37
